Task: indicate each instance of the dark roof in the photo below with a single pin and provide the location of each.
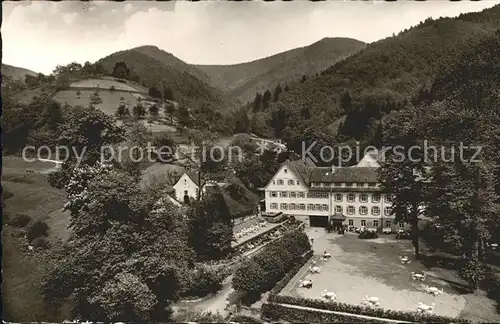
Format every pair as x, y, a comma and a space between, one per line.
340, 174
338, 216
194, 175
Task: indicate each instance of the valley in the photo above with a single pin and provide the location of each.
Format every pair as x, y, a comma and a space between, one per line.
180, 227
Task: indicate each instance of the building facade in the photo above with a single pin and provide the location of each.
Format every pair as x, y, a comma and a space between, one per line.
314, 194
189, 186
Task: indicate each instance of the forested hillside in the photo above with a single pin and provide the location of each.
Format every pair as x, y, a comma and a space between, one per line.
381, 77
243, 80
151, 72
458, 118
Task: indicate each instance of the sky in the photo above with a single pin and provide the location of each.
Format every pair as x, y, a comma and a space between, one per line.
38, 35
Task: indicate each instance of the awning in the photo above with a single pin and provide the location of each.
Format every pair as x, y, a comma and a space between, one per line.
338, 216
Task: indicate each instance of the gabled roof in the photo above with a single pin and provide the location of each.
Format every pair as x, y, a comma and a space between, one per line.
193, 175
339, 174
378, 155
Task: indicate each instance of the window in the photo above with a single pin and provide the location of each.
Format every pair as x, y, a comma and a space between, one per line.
387, 211
291, 182
317, 206
375, 210
363, 222
302, 207
285, 170
388, 223
351, 210
372, 185
298, 182
284, 194
313, 184
351, 222
316, 194
387, 199
363, 198
293, 194
376, 198
363, 210
337, 184
301, 194
292, 206
338, 209
325, 207
350, 197
284, 206
375, 223
348, 184
274, 182
321, 184
274, 206
185, 192
310, 207
273, 194
338, 197
401, 225
280, 182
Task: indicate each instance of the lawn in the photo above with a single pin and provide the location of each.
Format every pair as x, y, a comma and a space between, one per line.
23, 270
110, 99
359, 268
102, 84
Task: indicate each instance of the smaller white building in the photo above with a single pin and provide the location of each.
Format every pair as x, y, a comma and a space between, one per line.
189, 186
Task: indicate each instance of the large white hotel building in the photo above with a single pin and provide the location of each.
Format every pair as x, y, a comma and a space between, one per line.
315, 195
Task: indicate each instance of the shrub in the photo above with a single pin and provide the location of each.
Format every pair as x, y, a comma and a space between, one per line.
277, 312
367, 235
262, 272
37, 229
41, 242
203, 282
284, 281
20, 220
360, 310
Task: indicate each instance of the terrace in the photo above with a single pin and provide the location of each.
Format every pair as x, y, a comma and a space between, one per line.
372, 268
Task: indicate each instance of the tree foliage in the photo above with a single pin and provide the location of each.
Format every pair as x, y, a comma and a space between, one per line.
128, 251
210, 223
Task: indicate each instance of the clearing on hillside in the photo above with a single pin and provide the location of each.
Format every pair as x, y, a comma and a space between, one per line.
103, 84
110, 99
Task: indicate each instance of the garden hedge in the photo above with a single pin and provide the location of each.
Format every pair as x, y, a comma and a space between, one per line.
263, 271
355, 309
286, 279
276, 312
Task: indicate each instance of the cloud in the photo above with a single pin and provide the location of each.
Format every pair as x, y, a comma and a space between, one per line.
128, 7
206, 32
69, 18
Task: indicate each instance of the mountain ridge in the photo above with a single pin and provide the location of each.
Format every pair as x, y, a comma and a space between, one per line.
16, 72
243, 80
